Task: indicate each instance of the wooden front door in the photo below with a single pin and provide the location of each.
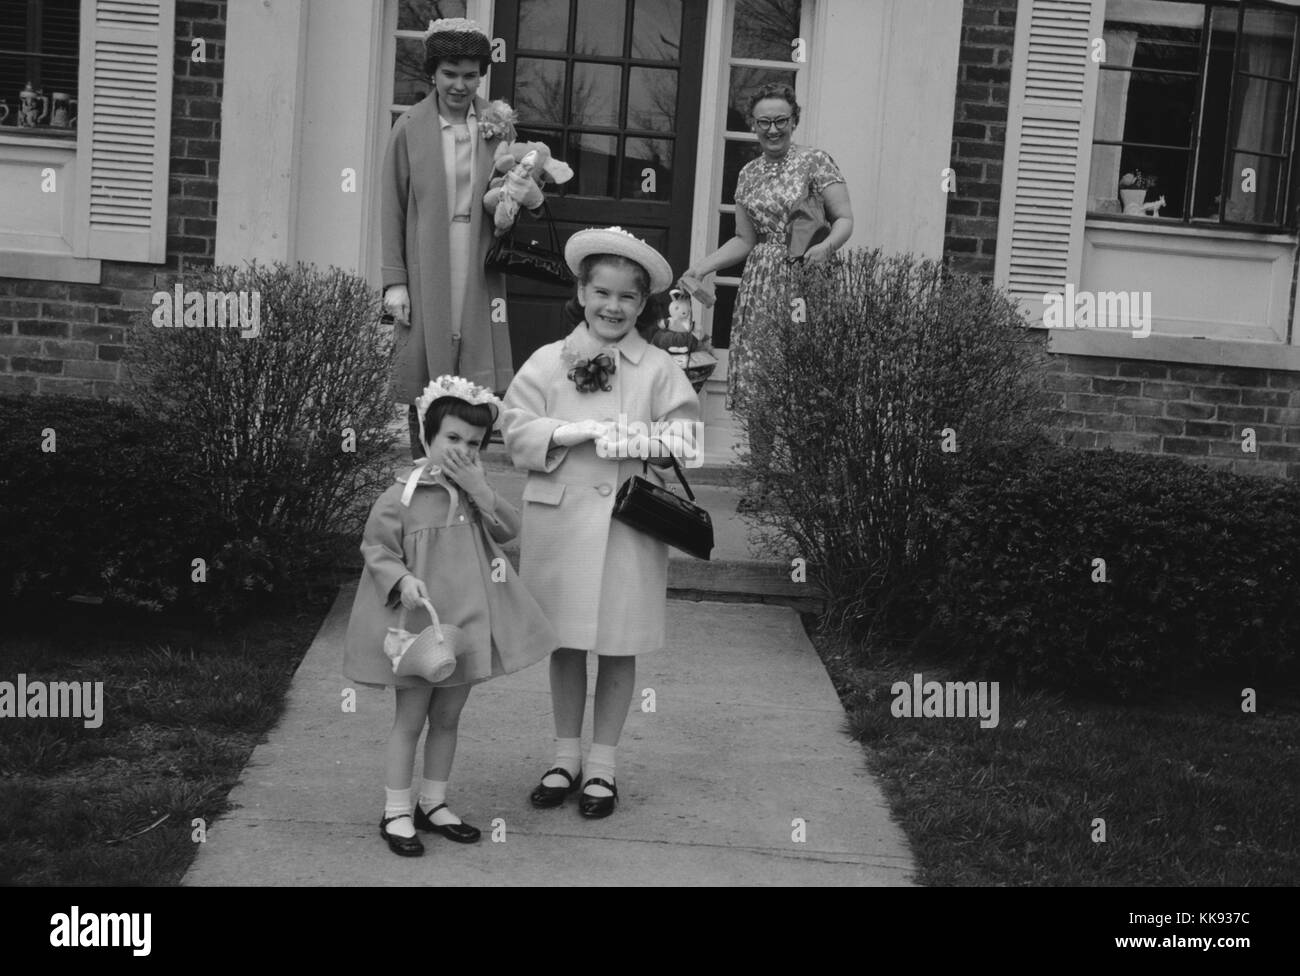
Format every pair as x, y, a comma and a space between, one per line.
613, 88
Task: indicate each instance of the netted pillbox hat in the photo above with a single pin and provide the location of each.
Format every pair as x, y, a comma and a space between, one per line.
455, 38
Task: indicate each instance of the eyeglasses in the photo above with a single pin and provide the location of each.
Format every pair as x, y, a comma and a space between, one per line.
774, 125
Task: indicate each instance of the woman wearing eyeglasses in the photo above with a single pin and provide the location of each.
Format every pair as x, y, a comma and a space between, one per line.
766, 192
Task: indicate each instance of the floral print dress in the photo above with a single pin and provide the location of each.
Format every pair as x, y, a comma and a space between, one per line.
768, 191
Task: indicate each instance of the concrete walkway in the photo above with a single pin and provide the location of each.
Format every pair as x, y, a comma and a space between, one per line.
746, 737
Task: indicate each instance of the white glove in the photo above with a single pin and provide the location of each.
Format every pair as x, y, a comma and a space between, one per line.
398, 301
575, 433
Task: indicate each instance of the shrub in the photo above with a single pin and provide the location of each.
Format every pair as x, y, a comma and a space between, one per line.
288, 429
114, 510
1202, 570
847, 410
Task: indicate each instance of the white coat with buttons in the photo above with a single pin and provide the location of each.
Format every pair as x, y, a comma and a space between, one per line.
602, 584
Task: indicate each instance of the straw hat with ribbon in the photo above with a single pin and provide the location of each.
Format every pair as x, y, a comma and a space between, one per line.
615, 240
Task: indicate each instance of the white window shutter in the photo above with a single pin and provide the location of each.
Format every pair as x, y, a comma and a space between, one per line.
1049, 139
124, 127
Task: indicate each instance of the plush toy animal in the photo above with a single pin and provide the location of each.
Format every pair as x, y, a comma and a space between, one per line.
677, 332
522, 168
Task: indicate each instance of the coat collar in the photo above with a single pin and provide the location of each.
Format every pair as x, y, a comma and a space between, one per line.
424, 473
584, 344
470, 116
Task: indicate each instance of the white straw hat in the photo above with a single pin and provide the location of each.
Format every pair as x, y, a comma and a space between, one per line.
615, 240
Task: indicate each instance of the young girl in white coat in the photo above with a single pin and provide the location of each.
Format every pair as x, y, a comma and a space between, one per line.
572, 418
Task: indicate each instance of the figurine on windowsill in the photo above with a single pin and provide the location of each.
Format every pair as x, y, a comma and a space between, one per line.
1133, 192
29, 116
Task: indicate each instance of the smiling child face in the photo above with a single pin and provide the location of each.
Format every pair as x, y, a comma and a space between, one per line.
455, 432
611, 300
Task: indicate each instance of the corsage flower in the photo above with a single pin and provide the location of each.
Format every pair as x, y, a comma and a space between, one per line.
498, 121
590, 375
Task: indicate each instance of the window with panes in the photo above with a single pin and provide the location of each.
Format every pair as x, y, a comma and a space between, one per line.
1198, 101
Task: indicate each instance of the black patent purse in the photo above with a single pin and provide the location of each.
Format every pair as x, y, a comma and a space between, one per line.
664, 515
513, 256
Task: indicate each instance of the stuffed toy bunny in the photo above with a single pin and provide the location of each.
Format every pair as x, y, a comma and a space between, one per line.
677, 330
522, 168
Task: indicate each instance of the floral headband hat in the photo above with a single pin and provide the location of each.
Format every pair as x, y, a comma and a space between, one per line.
461, 389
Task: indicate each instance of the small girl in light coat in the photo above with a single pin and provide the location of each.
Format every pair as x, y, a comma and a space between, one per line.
434, 535
572, 418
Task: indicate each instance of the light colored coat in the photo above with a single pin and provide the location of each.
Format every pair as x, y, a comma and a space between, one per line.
602, 584
414, 225
453, 547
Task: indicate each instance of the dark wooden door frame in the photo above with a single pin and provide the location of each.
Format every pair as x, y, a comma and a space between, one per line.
674, 216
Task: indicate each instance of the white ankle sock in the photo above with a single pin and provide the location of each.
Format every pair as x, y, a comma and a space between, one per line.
397, 803
568, 755
600, 764
433, 792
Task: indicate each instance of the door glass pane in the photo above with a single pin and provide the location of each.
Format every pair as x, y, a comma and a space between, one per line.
594, 160
552, 137
652, 99
765, 29
543, 25
734, 156
539, 90
416, 14
744, 82
726, 231
657, 30
596, 90
410, 83
648, 170
600, 28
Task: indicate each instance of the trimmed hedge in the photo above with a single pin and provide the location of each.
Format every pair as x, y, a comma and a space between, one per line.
114, 510
1202, 570
252, 454
853, 411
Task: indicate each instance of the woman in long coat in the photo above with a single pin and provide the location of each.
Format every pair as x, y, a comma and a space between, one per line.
450, 313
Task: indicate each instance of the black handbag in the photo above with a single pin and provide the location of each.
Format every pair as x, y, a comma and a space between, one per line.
512, 256
664, 515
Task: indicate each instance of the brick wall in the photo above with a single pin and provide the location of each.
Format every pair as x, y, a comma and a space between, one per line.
1198, 413
988, 39
69, 338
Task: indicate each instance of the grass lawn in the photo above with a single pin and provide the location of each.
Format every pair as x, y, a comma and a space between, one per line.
1192, 790
183, 707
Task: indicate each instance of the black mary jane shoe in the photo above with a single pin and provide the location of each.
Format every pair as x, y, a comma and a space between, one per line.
552, 796
595, 807
461, 833
402, 846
